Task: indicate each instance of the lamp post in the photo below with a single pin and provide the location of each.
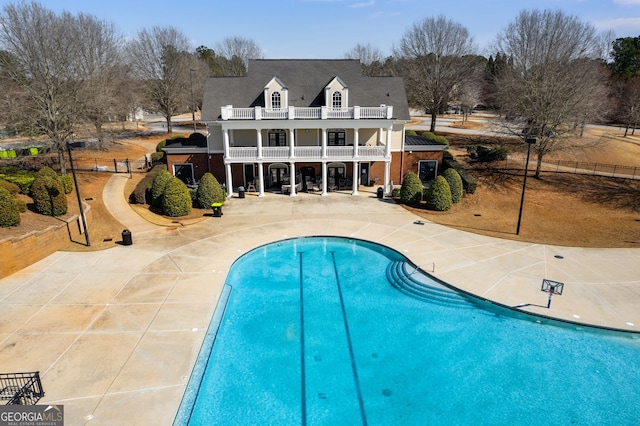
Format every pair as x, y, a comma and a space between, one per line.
193, 102
530, 141
75, 183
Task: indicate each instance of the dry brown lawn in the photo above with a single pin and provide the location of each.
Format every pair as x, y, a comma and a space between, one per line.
559, 209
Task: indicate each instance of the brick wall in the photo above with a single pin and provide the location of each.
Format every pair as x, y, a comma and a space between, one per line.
18, 253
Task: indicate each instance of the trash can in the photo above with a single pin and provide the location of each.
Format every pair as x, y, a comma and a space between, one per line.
217, 209
126, 238
380, 192
241, 192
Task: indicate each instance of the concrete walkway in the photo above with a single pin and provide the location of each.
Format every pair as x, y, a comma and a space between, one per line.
115, 333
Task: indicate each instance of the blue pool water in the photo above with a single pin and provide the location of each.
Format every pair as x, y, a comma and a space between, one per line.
328, 331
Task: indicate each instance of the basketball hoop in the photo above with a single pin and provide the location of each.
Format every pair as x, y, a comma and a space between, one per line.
552, 287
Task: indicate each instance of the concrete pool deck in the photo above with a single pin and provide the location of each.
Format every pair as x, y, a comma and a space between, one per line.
115, 333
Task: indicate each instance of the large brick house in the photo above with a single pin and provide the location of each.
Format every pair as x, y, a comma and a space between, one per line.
305, 125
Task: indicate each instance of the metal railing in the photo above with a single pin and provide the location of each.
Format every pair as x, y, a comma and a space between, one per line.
576, 167
21, 388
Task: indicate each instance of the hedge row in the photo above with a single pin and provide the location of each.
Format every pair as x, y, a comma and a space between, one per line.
468, 182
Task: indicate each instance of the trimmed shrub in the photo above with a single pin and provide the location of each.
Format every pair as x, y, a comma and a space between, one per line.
411, 190
9, 214
67, 183
439, 195
142, 192
488, 153
455, 184
160, 182
176, 200
468, 182
410, 132
48, 196
47, 171
23, 180
395, 193
22, 205
441, 140
9, 186
209, 191
157, 157
161, 145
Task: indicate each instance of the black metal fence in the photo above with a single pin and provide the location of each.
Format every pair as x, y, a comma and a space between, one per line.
575, 167
21, 388
113, 165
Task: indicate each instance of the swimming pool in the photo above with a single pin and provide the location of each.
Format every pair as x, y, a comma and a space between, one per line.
341, 331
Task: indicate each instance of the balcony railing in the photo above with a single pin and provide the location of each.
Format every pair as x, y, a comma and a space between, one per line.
283, 153
306, 113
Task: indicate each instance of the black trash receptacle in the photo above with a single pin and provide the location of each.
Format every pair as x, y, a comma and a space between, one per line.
217, 209
380, 192
241, 192
126, 238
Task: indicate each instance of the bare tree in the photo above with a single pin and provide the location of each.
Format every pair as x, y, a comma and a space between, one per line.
238, 51
432, 61
161, 61
630, 105
41, 60
367, 54
552, 79
372, 60
100, 70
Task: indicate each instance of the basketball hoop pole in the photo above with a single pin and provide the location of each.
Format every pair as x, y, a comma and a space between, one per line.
552, 287
550, 296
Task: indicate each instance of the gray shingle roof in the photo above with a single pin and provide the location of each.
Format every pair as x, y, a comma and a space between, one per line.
421, 141
306, 80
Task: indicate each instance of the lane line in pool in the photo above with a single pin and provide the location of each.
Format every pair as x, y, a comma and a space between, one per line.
303, 379
349, 343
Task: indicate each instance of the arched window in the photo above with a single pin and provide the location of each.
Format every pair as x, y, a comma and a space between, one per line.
275, 100
337, 100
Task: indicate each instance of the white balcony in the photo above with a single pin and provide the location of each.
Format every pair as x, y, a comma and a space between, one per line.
384, 112
306, 153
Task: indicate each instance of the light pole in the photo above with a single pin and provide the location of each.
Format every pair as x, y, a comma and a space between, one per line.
75, 182
193, 102
530, 141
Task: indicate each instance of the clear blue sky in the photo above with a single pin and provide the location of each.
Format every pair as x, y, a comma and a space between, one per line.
327, 29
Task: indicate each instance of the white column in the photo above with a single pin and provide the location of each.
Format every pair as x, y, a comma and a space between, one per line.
380, 130
292, 179
291, 143
324, 178
259, 142
355, 141
324, 143
229, 181
355, 179
387, 167
225, 139
387, 151
261, 179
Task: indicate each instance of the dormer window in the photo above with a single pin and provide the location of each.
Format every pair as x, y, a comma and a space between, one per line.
276, 100
336, 100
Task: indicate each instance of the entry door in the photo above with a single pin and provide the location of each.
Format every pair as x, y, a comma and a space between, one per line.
277, 175
249, 175
427, 170
364, 174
